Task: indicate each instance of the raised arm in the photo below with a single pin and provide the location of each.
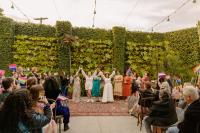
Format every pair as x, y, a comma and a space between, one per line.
101, 74
77, 72
112, 75
84, 74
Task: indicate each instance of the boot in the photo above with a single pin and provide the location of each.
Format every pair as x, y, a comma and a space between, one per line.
66, 127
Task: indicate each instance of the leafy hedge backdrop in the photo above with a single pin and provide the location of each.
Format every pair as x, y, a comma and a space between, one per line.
6, 41
36, 51
42, 45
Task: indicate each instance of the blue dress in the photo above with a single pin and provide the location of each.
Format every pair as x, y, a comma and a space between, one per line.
96, 87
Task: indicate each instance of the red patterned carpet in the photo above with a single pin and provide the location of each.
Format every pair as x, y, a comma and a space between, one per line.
117, 108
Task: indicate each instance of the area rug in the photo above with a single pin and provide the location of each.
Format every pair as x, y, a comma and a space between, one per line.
117, 108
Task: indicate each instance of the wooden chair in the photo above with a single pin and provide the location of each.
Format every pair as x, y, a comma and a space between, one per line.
143, 109
159, 129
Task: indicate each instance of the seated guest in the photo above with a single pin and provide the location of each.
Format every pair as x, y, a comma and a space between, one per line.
37, 94
17, 115
52, 91
162, 112
191, 121
8, 85
30, 82
146, 93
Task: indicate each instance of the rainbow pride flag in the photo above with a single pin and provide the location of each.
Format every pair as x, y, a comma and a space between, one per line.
13, 67
22, 80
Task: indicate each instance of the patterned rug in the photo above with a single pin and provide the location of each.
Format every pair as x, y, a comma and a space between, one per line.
117, 108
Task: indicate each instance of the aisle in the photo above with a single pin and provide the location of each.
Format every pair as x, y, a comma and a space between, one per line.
104, 124
117, 108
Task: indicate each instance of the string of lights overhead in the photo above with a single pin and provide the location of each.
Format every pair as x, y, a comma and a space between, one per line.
57, 12
14, 6
131, 11
167, 18
94, 14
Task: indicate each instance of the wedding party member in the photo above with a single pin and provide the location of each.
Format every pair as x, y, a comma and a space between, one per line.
96, 86
145, 78
118, 84
76, 87
108, 88
89, 84
127, 85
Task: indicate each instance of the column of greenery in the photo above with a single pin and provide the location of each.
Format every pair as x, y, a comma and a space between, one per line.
119, 42
6, 42
63, 31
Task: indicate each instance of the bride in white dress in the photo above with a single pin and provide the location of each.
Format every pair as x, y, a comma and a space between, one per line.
108, 88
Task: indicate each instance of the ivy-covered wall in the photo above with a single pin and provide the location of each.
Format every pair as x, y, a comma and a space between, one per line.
31, 29
6, 41
64, 50
112, 48
40, 52
91, 53
186, 43
119, 42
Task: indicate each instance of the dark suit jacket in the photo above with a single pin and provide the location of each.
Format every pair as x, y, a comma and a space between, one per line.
163, 113
191, 122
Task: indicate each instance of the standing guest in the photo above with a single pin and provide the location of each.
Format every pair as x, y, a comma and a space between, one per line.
76, 87
118, 85
64, 81
89, 84
145, 78
127, 85
191, 121
52, 91
96, 87
21, 77
8, 85
17, 115
108, 88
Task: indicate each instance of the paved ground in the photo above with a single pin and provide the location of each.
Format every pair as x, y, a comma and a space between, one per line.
104, 124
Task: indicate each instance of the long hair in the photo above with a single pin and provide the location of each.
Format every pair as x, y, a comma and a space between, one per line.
30, 82
35, 91
51, 88
15, 109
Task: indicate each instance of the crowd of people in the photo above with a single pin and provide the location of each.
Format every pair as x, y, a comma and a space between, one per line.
28, 102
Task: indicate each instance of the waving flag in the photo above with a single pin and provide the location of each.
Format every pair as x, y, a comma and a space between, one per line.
22, 80
13, 67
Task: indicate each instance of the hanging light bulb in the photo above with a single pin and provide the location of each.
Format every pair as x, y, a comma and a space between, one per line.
194, 1
168, 19
95, 12
12, 6
152, 29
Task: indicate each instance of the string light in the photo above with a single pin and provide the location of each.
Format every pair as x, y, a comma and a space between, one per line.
174, 12
13, 6
168, 19
94, 13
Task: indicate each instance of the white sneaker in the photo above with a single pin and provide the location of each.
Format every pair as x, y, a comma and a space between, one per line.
88, 100
92, 100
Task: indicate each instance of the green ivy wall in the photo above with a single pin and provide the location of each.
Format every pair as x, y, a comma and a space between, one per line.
112, 48
6, 42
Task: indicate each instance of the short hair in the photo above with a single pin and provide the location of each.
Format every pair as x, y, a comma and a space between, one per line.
191, 91
6, 83
148, 85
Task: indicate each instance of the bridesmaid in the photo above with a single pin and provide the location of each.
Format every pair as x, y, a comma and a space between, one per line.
118, 85
127, 85
76, 87
96, 87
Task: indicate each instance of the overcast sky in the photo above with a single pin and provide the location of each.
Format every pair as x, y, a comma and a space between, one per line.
138, 15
